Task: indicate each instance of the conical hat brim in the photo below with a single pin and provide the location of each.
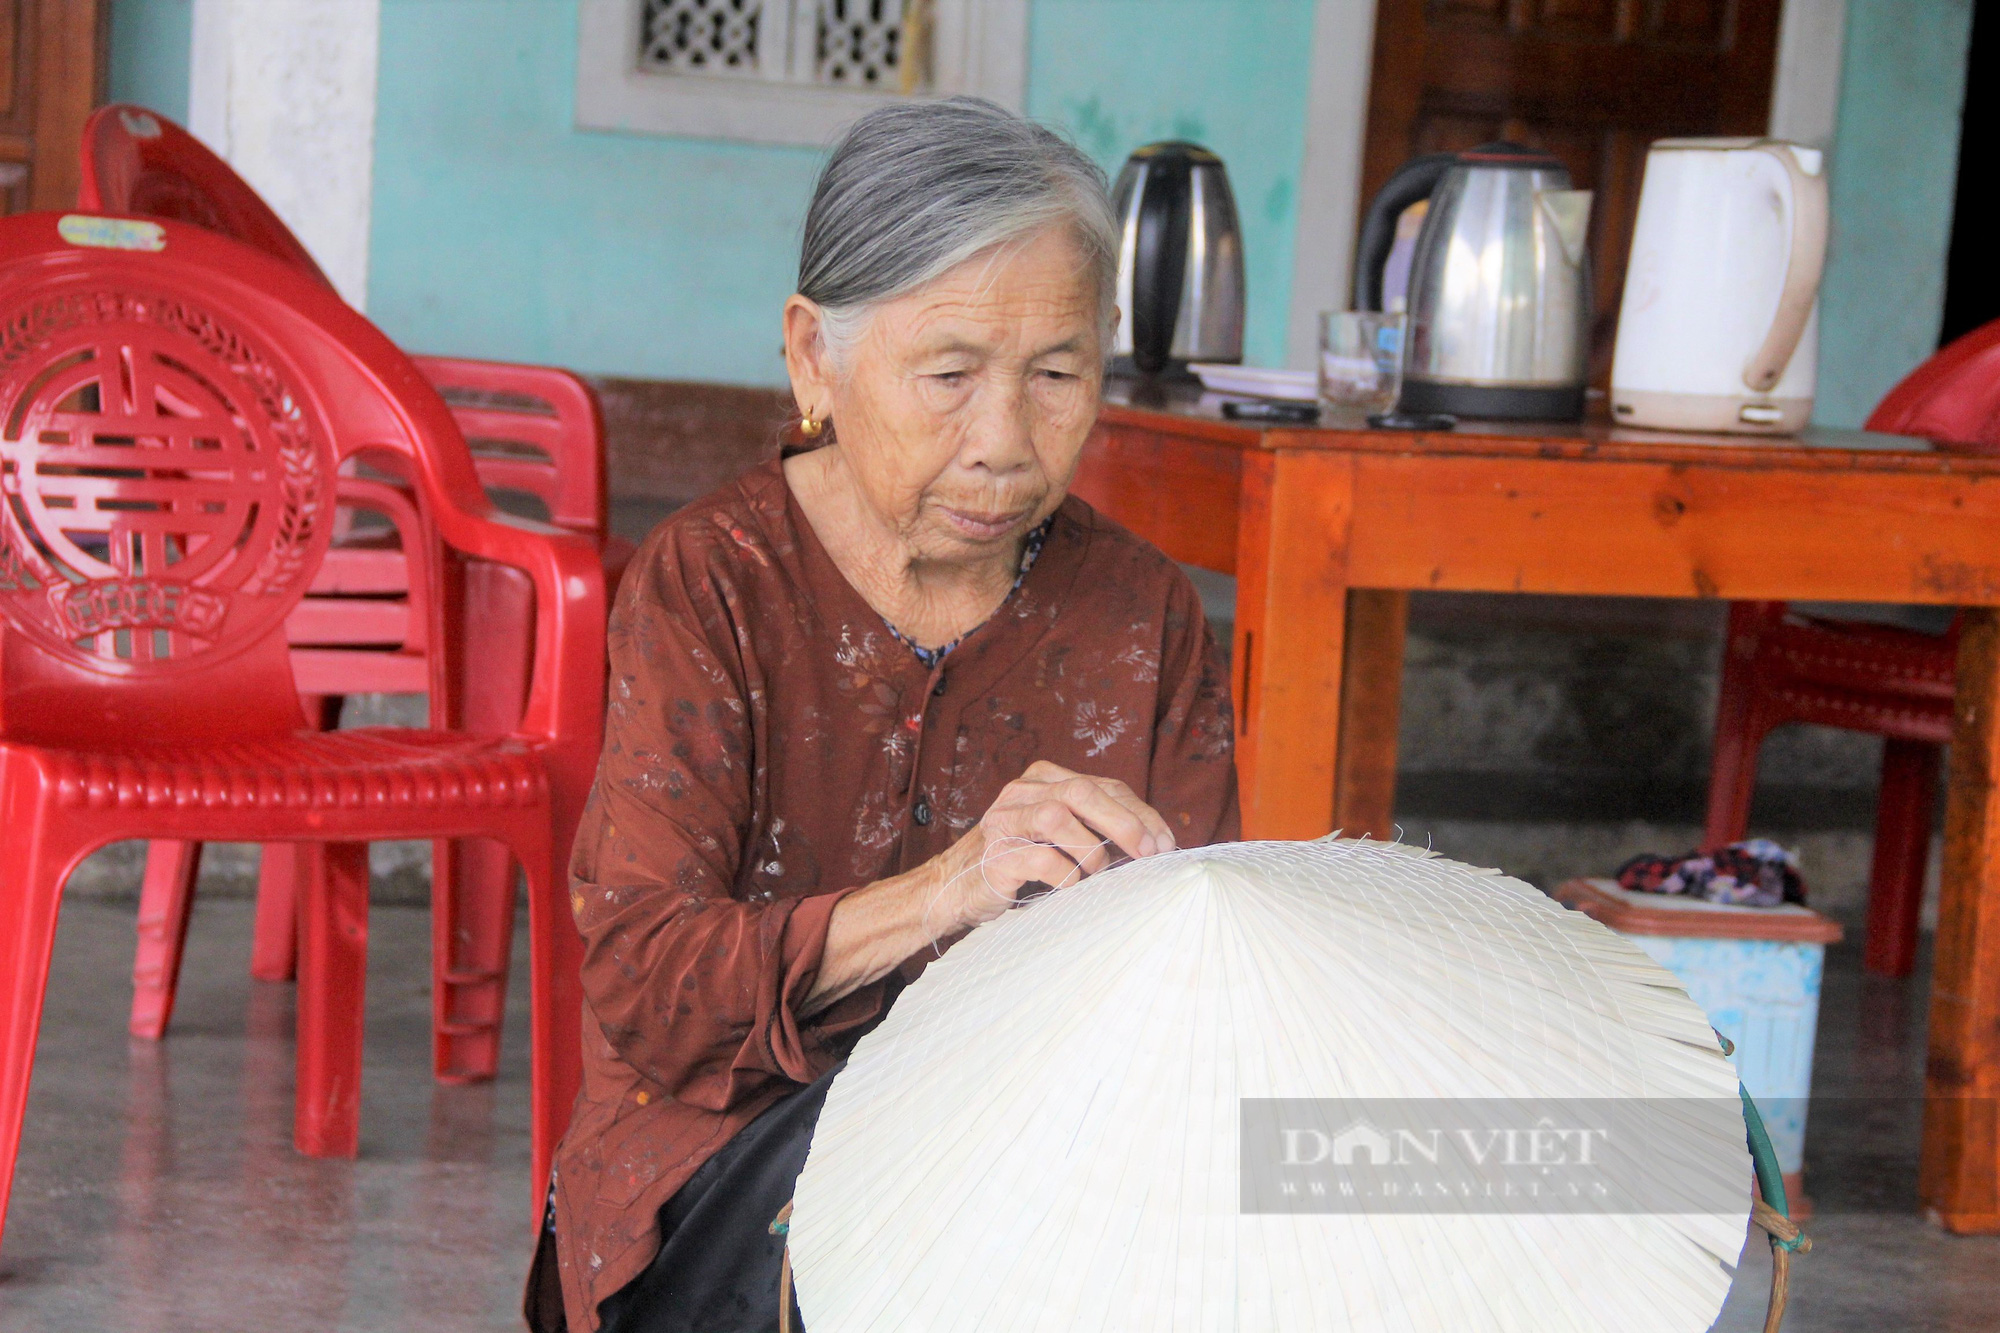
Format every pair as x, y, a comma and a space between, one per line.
1044, 1133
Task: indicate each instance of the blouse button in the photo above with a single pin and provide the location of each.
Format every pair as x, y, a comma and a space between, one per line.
937, 690
922, 811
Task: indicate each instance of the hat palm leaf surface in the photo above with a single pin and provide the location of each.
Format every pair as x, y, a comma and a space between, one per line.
1067, 1122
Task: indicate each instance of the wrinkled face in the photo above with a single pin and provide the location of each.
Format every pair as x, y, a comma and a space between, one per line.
963, 406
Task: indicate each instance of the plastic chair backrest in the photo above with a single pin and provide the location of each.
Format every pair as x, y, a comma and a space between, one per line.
173, 410
1954, 396
532, 429
138, 161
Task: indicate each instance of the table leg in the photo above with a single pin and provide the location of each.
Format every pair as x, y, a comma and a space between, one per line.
1291, 624
1960, 1176
1371, 700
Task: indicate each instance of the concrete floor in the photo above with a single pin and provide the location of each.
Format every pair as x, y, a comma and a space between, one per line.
1875, 1264
158, 1191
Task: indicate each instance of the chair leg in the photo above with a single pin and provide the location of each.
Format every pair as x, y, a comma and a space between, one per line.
30, 892
333, 969
472, 941
1739, 732
472, 882
1732, 779
165, 899
274, 948
555, 1028
1902, 847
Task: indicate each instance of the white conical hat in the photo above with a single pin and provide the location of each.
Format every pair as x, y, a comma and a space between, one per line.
1046, 1131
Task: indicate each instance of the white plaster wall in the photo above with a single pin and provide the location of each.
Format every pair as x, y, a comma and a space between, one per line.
285, 90
1805, 97
1330, 177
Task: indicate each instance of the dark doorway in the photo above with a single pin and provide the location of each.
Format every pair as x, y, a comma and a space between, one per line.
52, 71
1972, 275
1591, 81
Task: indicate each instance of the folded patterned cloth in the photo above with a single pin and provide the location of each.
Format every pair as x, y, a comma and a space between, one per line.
1757, 873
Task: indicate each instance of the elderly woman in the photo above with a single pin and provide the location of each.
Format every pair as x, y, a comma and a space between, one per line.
861, 700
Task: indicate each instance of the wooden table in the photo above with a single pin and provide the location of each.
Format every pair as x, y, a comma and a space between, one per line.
1327, 528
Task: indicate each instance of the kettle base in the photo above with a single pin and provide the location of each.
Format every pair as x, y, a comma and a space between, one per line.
1736, 414
1174, 372
1493, 402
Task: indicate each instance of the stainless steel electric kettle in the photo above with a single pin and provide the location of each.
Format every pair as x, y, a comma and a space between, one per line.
1499, 295
1180, 259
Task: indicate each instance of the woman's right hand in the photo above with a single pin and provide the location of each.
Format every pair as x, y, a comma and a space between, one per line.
1049, 826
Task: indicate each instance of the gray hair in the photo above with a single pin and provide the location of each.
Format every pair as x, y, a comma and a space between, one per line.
917, 188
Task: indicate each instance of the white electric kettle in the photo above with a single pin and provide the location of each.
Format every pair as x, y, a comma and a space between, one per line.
1719, 330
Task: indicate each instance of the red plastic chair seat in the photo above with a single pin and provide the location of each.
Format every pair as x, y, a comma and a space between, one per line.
1861, 677
375, 770
361, 787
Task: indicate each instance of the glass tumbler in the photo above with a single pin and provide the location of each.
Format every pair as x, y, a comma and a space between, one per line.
1361, 359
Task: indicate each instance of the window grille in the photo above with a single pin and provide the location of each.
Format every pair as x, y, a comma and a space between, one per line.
701, 36
880, 45
787, 71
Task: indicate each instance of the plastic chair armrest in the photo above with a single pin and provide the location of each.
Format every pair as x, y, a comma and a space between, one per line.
573, 436
566, 690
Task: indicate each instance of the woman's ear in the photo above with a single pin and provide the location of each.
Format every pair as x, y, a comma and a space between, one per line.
806, 359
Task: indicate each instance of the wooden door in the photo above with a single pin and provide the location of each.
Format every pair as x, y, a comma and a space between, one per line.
1591, 81
51, 76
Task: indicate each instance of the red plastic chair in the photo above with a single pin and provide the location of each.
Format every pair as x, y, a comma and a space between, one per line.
138, 161
1782, 666
174, 408
358, 631
533, 430
528, 427
363, 597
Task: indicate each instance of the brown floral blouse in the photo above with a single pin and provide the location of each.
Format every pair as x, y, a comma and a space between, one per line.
771, 747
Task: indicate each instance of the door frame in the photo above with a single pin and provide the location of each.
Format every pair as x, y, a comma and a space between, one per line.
1330, 202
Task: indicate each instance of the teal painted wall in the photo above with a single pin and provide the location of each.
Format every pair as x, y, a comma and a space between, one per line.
1892, 176
500, 230
149, 53
1231, 74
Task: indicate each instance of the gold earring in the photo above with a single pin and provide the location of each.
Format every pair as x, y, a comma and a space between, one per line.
810, 427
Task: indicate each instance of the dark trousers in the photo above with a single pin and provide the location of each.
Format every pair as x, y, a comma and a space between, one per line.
717, 1269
